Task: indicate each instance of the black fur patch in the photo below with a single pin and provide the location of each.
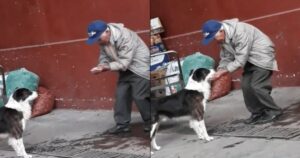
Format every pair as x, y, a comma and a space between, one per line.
10, 122
185, 102
200, 74
21, 94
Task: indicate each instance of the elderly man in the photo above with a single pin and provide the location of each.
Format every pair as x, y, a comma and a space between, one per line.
124, 51
243, 45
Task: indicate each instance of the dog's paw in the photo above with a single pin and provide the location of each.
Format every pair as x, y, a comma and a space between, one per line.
201, 137
209, 138
27, 156
157, 147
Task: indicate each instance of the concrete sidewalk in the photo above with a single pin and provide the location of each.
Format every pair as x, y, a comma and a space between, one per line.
179, 141
72, 133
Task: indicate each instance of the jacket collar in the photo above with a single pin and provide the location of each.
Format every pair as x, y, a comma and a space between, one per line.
115, 34
228, 34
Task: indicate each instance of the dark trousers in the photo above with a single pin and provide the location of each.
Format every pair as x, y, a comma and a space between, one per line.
257, 87
131, 87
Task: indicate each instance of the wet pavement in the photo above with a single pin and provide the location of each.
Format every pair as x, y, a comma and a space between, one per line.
72, 133
82, 134
290, 117
287, 126
234, 139
99, 145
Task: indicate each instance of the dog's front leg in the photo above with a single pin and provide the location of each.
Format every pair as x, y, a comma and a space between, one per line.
18, 146
204, 131
22, 149
153, 136
194, 124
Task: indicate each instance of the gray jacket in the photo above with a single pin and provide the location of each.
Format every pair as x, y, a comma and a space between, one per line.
245, 43
129, 52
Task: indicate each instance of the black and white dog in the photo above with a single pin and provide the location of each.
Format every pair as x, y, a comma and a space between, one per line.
189, 101
13, 116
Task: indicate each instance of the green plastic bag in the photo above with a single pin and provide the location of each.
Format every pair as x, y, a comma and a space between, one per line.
194, 61
1, 102
21, 78
1, 91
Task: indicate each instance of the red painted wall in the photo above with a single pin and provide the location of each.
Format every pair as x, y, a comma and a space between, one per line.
48, 38
278, 19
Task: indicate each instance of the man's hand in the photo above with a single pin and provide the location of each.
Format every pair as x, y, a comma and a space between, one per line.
219, 73
100, 68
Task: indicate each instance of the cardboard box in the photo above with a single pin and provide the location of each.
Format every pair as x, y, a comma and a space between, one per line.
156, 26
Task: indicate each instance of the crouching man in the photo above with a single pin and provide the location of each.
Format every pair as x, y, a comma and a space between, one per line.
244, 45
124, 51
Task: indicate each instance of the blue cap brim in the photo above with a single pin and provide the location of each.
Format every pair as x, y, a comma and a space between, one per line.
93, 39
209, 38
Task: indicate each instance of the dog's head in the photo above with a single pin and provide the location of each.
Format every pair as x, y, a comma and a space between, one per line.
199, 80
202, 74
24, 95
21, 99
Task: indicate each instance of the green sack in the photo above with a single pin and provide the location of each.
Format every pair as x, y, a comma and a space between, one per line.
21, 78
194, 61
1, 103
1, 90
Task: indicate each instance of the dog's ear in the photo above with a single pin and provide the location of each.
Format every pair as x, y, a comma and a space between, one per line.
191, 72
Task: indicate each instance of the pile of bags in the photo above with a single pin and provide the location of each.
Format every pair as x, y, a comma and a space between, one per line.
44, 104
220, 87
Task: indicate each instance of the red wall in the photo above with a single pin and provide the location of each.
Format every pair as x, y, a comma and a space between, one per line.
48, 38
278, 19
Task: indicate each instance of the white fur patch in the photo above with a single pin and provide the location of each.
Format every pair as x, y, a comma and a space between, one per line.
202, 86
22, 106
204, 131
200, 129
18, 146
153, 137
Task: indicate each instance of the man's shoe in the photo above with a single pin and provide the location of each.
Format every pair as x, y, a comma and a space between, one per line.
268, 118
253, 119
118, 130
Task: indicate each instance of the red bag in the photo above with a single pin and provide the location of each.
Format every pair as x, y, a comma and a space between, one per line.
221, 87
44, 103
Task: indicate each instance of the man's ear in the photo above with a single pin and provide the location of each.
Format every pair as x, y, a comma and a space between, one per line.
191, 72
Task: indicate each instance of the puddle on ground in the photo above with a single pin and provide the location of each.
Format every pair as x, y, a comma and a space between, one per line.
233, 145
137, 138
291, 115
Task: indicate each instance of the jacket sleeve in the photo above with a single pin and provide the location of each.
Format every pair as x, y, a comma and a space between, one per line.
242, 50
126, 52
226, 58
103, 58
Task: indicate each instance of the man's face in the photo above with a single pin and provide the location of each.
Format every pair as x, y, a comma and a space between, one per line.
104, 38
220, 36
